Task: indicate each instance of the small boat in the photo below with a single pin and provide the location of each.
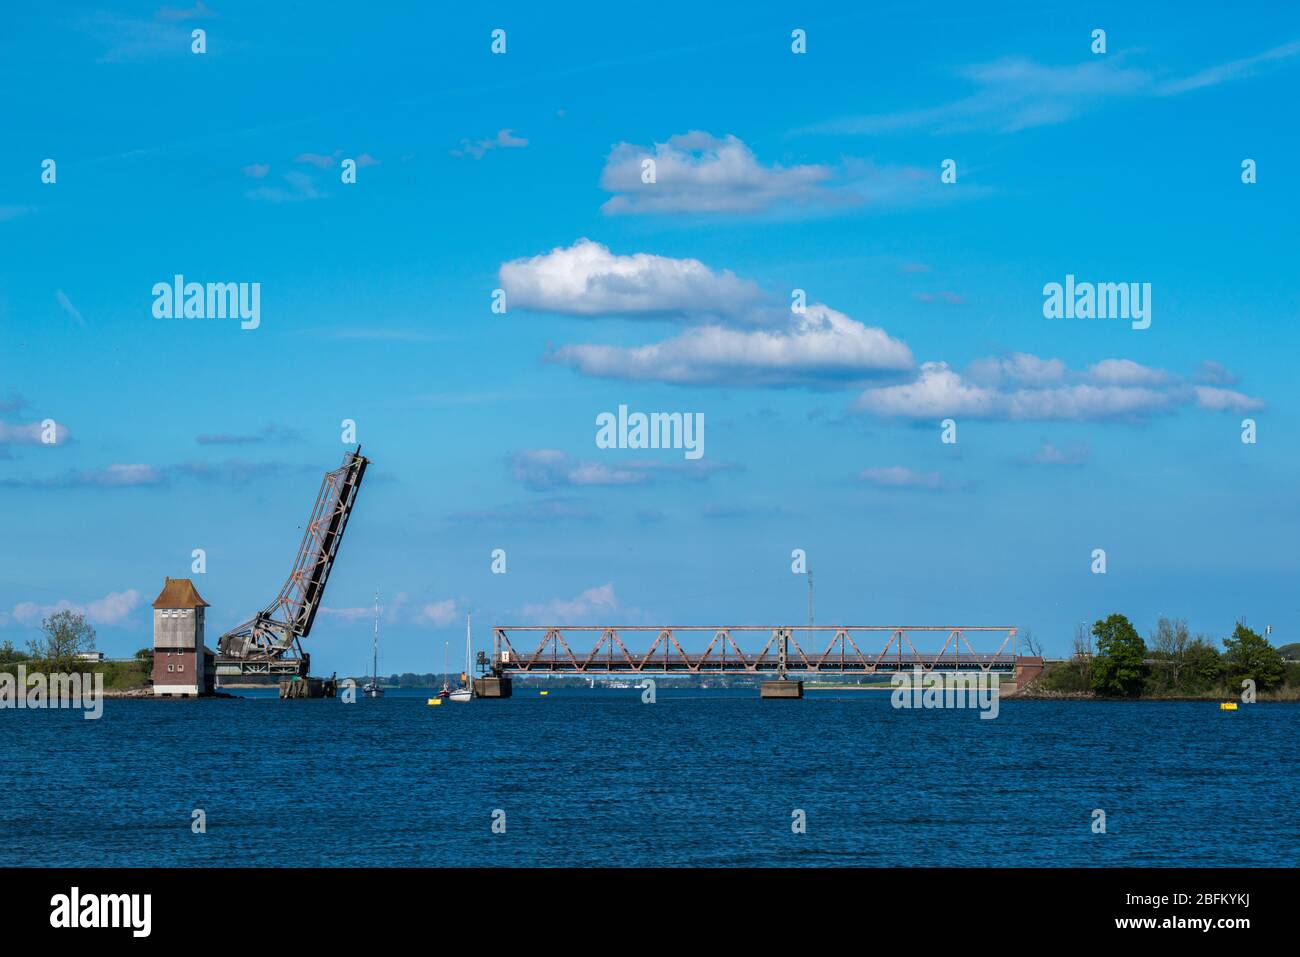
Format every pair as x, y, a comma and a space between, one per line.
466, 691
371, 688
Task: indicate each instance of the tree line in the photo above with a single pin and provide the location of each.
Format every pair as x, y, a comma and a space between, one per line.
1112, 660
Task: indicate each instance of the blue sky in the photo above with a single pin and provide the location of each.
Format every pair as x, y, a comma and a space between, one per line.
775, 171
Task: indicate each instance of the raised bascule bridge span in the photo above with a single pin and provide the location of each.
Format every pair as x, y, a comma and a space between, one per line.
781, 654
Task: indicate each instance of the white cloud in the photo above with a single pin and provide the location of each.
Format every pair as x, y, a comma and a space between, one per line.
600, 600
1210, 372
1125, 372
119, 475
898, 476
586, 279
542, 469
299, 186
1225, 400
112, 609
1026, 388
936, 391
1070, 455
698, 173
1018, 367
820, 346
505, 139
30, 433
437, 613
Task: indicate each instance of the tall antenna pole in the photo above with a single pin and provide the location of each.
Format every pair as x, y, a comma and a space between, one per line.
810, 597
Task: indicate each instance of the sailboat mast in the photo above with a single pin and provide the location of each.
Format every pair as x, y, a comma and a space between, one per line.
375, 666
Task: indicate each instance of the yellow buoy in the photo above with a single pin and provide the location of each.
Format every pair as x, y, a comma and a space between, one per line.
543, 692
434, 701
1227, 706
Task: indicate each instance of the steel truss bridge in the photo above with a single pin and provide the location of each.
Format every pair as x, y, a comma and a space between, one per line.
270, 642
797, 649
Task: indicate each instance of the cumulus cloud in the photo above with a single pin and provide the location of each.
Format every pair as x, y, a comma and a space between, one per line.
1225, 400
586, 279
256, 170
1027, 388
1210, 372
1018, 367
112, 609
438, 614
1126, 372
696, 172
600, 600
30, 433
700, 173
820, 347
739, 335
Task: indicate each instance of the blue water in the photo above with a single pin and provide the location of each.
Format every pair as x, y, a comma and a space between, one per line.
594, 777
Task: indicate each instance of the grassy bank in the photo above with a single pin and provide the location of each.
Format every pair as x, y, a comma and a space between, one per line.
118, 675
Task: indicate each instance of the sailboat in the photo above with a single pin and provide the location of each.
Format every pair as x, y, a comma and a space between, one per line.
445, 691
466, 691
371, 688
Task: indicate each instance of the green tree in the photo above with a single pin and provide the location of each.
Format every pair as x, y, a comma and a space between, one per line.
9, 654
1202, 666
64, 635
1249, 655
1117, 669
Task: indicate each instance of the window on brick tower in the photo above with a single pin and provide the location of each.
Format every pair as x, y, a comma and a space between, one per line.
171, 667
180, 667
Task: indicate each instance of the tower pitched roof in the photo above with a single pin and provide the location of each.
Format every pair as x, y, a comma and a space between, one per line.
179, 593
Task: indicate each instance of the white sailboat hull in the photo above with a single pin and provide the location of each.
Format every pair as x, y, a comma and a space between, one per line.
462, 694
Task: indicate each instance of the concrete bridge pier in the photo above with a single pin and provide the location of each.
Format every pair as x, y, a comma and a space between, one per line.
781, 688
490, 686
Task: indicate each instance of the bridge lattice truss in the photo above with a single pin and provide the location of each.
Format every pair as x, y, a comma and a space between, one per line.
782, 653
268, 643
